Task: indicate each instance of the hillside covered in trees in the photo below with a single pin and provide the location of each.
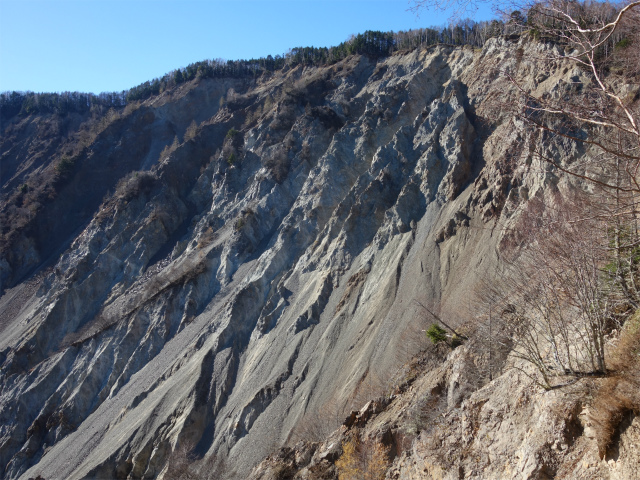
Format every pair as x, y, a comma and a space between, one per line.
374, 44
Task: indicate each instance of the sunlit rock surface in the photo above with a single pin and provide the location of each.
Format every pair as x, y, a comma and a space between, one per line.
266, 263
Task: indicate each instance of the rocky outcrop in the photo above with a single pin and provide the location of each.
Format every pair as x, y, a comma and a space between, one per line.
264, 264
452, 422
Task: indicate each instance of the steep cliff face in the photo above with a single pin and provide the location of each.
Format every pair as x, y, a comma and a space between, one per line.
269, 263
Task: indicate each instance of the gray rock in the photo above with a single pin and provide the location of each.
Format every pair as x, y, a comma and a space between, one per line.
230, 300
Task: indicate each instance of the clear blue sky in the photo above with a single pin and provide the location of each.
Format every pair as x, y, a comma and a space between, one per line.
98, 45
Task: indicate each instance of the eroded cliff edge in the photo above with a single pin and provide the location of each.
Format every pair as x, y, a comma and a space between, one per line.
264, 263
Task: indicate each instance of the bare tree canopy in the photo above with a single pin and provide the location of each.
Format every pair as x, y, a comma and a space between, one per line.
578, 273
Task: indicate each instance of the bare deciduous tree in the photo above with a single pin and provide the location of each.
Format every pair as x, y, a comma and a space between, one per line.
578, 270
600, 114
553, 305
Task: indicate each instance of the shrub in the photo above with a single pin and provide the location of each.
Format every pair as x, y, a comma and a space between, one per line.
363, 461
278, 162
134, 184
192, 131
349, 464
65, 166
554, 305
169, 149
617, 396
436, 334
624, 43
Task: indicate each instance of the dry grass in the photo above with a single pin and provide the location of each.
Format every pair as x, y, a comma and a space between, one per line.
619, 394
363, 460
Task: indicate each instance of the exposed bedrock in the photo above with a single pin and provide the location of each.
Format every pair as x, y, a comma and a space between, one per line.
267, 263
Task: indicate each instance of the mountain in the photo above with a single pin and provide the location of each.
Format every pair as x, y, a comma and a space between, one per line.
235, 264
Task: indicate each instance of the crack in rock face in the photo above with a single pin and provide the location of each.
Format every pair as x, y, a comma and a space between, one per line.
250, 263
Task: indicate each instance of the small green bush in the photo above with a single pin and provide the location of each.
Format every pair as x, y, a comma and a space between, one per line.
624, 43
65, 166
436, 334
232, 133
231, 159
